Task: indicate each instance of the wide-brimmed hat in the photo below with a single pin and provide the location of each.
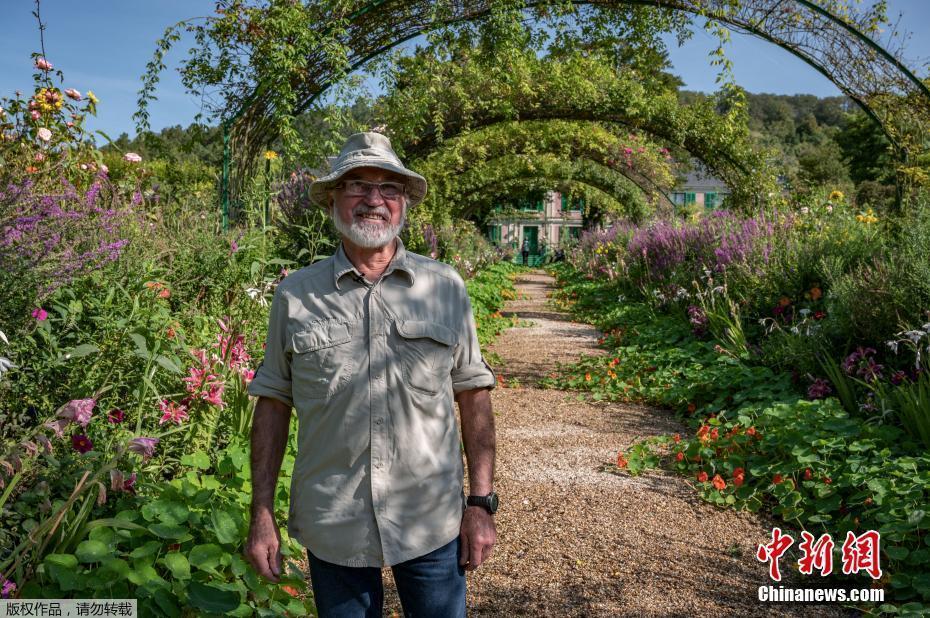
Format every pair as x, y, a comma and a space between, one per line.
367, 150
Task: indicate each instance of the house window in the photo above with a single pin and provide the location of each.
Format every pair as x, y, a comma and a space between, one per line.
494, 233
576, 205
683, 199
710, 200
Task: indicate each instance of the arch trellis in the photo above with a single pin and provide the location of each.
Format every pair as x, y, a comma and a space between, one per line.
834, 44
463, 166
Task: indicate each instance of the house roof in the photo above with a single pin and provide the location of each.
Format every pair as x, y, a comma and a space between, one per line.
699, 179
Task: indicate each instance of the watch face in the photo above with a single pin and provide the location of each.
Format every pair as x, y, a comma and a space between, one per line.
492, 502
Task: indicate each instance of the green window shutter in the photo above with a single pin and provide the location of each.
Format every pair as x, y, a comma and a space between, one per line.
690, 198
710, 200
564, 201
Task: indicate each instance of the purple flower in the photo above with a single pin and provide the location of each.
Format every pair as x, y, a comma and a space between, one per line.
898, 377
698, 320
7, 588
81, 443
121, 482
40, 314
819, 389
79, 411
863, 365
116, 416
143, 446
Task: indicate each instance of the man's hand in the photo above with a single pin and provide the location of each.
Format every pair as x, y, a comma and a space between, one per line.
263, 547
477, 537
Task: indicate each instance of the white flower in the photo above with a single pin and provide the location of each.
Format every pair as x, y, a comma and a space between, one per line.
805, 312
914, 335
44, 134
893, 345
926, 327
257, 295
829, 207
132, 157
5, 365
3, 337
794, 330
805, 210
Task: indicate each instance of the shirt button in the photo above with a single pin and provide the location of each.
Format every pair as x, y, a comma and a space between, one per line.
378, 421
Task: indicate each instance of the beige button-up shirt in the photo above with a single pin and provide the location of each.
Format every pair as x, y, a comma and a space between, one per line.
371, 369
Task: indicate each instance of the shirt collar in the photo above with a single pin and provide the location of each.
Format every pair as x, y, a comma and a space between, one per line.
343, 266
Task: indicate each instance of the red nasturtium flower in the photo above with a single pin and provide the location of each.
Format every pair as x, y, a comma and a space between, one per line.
719, 483
751, 431
677, 438
290, 590
587, 377
739, 476
679, 456
621, 460
777, 479
827, 480
714, 433
808, 474
702, 477
691, 408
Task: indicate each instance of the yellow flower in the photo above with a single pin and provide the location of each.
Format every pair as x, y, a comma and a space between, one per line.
92, 97
836, 196
271, 155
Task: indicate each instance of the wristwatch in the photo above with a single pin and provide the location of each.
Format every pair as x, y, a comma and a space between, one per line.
488, 502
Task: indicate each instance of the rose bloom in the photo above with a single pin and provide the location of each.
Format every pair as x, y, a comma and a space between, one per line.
35, 115
43, 65
73, 94
132, 157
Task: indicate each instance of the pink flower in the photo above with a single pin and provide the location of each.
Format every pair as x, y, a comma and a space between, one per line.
7, 588
171, 412
104, 169
116, 416
248, 375
43, 65
40, 314
81, 443
132, 157
35, 115
74, 94
44, 134
143, 446
215, 395
121, 482
78, 411
58, 426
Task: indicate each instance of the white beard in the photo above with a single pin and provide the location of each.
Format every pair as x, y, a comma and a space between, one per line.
368, 235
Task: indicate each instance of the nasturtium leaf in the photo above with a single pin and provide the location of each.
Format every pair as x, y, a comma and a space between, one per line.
211, 599
206, 556
178, 565
68, 561
896, 552
144, 551
92, 551
169, 531
916, 516
224, 525
199, 460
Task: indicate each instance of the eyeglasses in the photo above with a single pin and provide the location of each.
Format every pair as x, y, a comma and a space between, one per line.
359, 188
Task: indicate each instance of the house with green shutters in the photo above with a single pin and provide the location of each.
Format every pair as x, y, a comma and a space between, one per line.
700, 188
547, 219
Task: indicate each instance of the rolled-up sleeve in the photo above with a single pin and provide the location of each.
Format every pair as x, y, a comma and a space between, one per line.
469, 370
273, 377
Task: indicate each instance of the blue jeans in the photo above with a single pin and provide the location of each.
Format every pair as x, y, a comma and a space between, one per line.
432, 585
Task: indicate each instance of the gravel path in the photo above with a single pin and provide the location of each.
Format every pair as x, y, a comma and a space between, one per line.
575, 541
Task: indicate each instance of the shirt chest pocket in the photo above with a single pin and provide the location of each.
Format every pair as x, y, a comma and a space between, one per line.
426, 351
323, 363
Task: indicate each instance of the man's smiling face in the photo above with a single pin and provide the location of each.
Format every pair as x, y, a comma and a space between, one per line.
370, 220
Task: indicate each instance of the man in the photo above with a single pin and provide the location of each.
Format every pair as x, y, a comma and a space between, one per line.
526, 251
370, 346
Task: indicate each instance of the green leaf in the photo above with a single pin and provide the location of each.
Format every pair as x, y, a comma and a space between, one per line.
142, 348
167, 363
144, 551
916, 516
211, 598
224, 524
169, 531
85, 349
178, 565
897, 552
206, 557
198, 459
92, 551
67, 561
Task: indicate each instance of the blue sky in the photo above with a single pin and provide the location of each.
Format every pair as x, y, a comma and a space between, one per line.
104, 45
